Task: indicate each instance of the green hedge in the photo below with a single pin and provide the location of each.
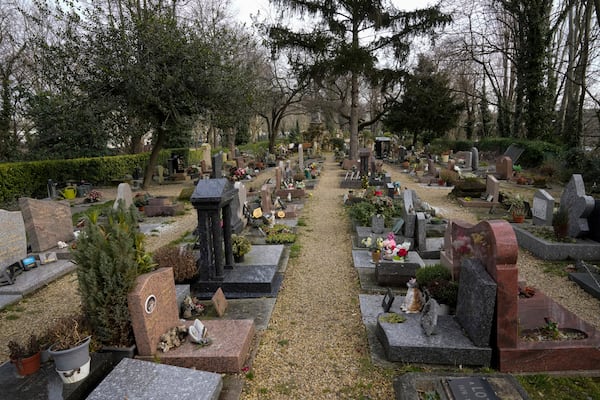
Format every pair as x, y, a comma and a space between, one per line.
30, 179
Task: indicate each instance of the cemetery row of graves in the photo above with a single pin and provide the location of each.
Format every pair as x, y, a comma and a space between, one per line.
233, 262
410, 262
447, 292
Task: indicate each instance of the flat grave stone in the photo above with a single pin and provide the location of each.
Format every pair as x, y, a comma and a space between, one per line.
136, 379
471, 387
411, 385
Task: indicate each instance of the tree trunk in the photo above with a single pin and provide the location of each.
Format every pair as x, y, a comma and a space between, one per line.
153, 160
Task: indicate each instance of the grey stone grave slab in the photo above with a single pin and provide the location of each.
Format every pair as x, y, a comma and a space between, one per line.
412, 385
590, 282
406, 342
514, 152
543, 208
581, 249
396, 274
476, 302
362, 259
474, 159
136, 379
258, 309
578, 205
258, 275
30, 281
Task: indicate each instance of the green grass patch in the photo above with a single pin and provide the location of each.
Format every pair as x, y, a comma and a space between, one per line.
556, 268
283, 342
301, 222
295, 250
541, 386
96, 207
12, 317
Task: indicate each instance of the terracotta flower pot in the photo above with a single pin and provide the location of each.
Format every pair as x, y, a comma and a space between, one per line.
29, 365
518, 218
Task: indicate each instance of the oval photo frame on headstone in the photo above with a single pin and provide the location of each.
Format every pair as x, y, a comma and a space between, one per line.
150, 304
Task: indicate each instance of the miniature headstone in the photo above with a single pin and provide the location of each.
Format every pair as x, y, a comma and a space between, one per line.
474, 158
46, 222
429, 317
578, 205
123, 194
387, 301
219, 302
543, 208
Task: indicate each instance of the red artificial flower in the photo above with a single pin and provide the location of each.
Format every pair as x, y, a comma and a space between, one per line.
402, 253
378, 193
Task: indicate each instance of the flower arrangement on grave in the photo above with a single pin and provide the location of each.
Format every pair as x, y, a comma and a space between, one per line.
26, 357
392, 250
93, 196
372, 244
516, 205
238, 174
240, 246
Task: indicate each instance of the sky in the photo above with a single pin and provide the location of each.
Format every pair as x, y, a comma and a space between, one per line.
244, 8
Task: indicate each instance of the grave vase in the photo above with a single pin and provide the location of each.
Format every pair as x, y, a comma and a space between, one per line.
376, 256
72, 364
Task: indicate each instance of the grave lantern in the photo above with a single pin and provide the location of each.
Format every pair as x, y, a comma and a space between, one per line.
212, 199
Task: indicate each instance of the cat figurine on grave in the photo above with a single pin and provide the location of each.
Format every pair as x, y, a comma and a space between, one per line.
414, 299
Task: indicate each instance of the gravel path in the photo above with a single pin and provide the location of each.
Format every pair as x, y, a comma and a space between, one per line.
316, 345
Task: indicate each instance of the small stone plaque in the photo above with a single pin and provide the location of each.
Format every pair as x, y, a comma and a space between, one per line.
219, 302
387, 301
471, 388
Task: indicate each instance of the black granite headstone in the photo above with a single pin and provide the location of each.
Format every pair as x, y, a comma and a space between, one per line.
594, 222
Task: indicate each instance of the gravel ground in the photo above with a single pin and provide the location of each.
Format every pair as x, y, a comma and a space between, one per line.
315, 345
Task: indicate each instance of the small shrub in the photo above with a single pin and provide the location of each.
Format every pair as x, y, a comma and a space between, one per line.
281, 238
428, 274
181, 259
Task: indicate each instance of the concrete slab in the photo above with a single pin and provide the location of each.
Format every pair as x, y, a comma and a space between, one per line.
30, 281
582, 249
136, 379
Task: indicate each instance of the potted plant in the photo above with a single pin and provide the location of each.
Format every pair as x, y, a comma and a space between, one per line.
241, 246
110, 256
560, 223
71, 348
516, 205
436, 281
26, 358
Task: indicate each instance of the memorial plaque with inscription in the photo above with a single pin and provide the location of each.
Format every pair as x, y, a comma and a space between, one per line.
471, 388
387, 301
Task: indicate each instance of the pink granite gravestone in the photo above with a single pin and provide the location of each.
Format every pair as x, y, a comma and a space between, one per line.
153, 308
46, 222
494, 243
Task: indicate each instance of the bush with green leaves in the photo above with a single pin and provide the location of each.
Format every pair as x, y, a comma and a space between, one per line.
110, 255
430, 273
